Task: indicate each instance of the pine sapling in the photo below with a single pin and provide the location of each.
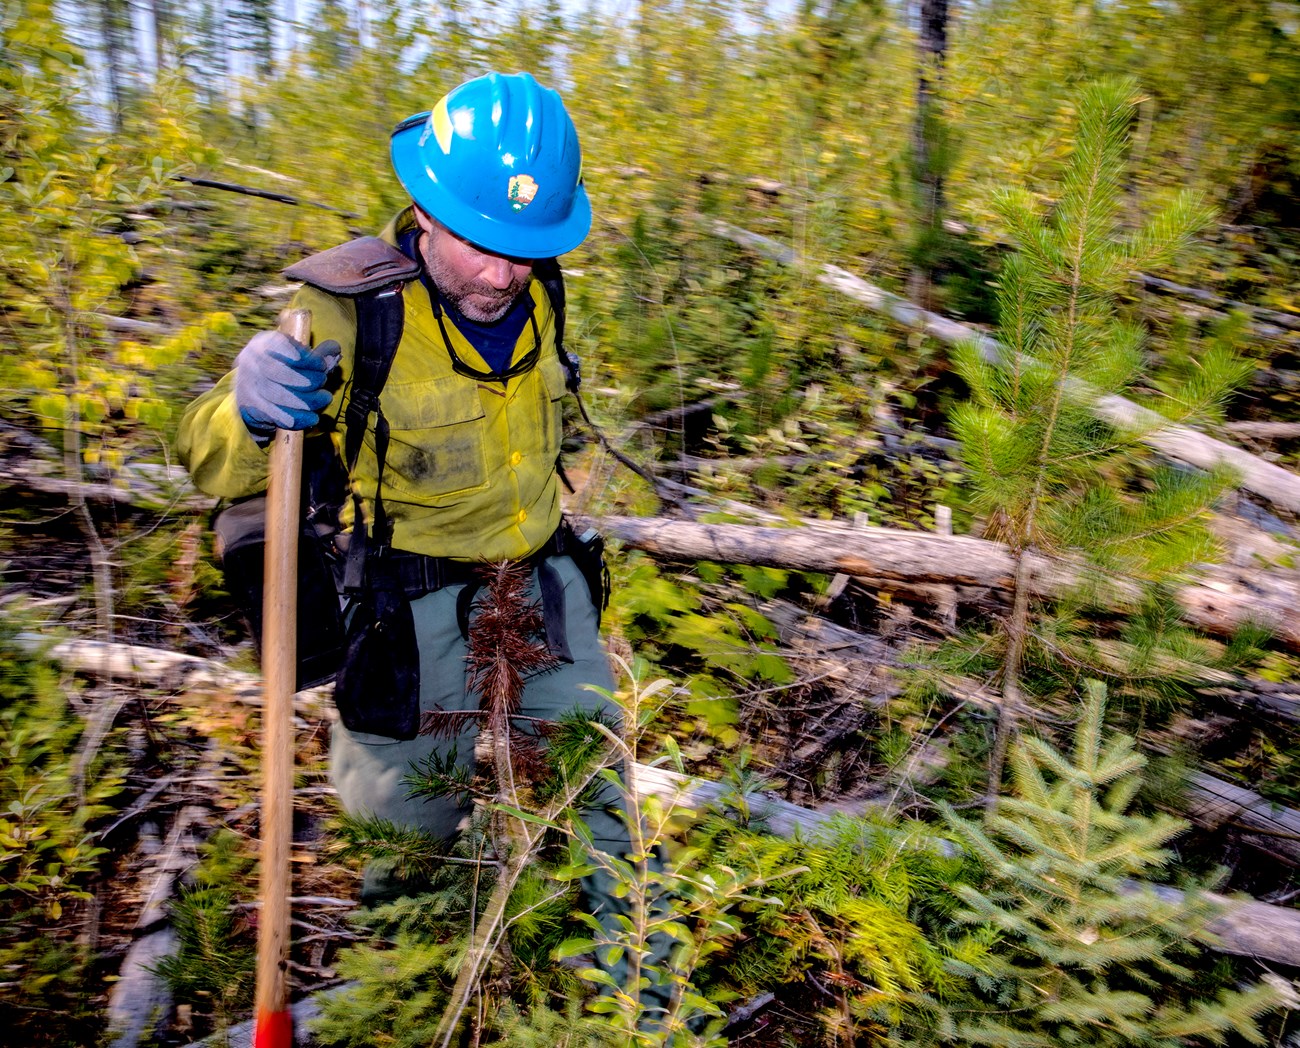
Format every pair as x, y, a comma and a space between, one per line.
1049, 477
1088, 956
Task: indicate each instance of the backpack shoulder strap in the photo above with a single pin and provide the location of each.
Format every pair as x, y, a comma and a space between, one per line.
373, 273
548, 271
380, 317
361, 265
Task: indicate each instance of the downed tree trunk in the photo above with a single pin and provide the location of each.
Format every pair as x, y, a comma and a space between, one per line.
187, 676
1212, 803
1222, 601
851, 657
140, 998
1218, 302
1261, 824
1179, 443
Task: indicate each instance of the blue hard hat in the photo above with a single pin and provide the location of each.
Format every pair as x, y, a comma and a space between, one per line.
497, 162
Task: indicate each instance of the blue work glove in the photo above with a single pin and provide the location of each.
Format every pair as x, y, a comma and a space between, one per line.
280, 384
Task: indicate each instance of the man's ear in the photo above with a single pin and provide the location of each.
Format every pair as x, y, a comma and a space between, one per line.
424, 220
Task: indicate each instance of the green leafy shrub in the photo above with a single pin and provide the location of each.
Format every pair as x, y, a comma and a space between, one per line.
51, 795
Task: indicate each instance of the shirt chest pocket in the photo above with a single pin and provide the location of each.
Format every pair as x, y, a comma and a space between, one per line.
437, 439
550, 403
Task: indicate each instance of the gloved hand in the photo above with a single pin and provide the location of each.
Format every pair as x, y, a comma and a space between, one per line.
279, 383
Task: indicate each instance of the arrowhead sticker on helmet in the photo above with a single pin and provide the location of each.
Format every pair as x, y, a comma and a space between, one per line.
497, 162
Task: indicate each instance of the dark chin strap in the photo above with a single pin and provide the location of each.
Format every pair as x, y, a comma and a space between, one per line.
410, 246
526, 364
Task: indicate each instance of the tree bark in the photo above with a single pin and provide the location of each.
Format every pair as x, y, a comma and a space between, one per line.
1221, 601
1214, 804
927, 164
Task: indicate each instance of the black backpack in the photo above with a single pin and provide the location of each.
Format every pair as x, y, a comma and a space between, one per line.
374, 274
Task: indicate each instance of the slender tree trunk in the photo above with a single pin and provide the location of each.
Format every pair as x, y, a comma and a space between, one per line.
927, 167
114, 34
1009, 710
161, 17
101, 720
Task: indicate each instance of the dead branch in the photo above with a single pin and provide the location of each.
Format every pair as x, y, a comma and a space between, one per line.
279, 198
1179, 443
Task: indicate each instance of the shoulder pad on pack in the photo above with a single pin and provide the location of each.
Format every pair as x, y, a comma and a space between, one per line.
355, 267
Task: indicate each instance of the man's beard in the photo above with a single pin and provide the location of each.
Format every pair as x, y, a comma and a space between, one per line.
475, 300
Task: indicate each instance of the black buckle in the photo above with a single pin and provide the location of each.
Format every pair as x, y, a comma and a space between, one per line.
431, 574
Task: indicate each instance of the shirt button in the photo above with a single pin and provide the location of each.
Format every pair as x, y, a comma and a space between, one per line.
516, 458
523, 515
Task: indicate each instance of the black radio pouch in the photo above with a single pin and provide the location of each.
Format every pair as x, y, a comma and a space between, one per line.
378, 686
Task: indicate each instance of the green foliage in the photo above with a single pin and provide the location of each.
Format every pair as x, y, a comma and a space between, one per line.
404, 852
681, 109
721, 645
869, 915
50, 800
78, 202
1040, 463
675, 908
1047, 474
399, 990
213, 968
1084, 955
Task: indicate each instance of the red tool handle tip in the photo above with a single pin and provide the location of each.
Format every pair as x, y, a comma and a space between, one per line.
273, 1030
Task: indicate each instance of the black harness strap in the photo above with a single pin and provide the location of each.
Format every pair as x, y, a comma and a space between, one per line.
548, 271
380, 317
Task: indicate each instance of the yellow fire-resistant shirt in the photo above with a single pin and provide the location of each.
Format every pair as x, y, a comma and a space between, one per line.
470, 471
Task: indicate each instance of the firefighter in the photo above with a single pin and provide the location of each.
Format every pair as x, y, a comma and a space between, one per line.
472, 411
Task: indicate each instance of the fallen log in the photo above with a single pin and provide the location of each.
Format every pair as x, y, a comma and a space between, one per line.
185, 676
140, 998
1179, 443
139, 485
851, 657
1214, 804
1218, 302
1221, 601
1264, 430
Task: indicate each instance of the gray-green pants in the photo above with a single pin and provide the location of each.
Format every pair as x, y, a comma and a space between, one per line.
367, 770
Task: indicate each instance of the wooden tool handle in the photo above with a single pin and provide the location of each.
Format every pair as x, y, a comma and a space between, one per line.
273, 1025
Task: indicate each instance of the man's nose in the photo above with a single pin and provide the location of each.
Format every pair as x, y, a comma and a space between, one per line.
498, 271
